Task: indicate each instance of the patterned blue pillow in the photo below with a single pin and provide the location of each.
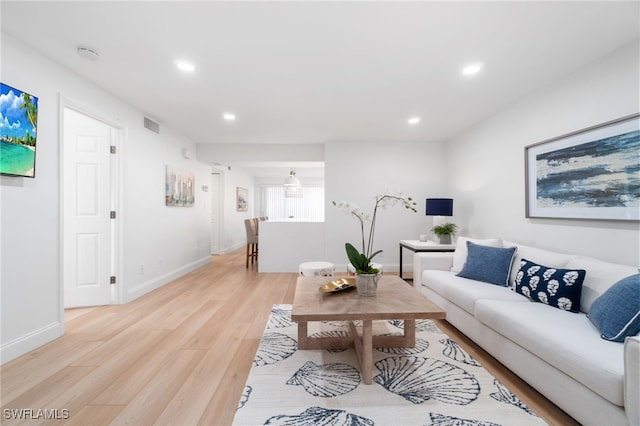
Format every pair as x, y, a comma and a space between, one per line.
488, 264
560, 288
616, 313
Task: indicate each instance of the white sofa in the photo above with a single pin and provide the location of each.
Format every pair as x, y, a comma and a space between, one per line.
559, 353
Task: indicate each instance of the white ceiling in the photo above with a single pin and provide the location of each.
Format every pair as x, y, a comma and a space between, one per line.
312, 72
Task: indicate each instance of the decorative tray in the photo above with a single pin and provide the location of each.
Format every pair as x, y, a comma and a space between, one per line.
339, 285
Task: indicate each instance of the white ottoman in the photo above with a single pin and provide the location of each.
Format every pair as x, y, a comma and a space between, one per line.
352, 271
311, 269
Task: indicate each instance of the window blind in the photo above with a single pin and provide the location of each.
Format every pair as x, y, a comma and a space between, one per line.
275, 206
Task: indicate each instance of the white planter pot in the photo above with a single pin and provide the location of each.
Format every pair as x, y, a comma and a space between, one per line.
367, 284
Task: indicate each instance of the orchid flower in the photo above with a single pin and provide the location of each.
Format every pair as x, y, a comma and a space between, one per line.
362, 260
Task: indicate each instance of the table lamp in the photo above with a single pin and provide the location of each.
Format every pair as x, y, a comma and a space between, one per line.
439, 208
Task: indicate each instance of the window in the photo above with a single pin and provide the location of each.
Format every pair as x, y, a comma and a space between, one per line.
275, 206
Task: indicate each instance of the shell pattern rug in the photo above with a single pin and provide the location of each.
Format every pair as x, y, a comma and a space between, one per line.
435, 383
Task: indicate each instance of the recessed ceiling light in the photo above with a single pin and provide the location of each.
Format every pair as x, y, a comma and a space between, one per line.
229, 116
413, 120
185, 66
472, 69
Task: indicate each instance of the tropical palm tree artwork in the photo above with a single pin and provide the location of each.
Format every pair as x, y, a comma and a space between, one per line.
18, 131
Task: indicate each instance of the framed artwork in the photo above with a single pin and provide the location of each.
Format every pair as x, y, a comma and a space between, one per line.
179, 187
590, 174
242, 199
18, 132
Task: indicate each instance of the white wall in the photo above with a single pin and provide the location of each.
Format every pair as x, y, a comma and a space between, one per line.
356, 172
486, 164
285, 245
29, 222
168, 241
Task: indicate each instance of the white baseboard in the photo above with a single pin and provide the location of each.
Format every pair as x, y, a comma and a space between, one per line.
30, 341
227, 250
146, 287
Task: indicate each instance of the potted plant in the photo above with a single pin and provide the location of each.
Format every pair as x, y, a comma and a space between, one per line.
366, 275
444, 232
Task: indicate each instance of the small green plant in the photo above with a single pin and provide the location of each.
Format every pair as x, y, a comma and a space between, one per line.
445, 229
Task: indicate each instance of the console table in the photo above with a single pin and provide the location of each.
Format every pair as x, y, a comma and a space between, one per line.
417, 246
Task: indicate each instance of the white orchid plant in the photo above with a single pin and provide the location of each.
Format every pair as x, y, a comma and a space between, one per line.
361, 260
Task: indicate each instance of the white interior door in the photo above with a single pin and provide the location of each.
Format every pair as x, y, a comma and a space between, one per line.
215, 213
87, 204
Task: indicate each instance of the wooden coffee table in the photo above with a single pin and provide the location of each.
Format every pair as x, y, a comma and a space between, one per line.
395, 300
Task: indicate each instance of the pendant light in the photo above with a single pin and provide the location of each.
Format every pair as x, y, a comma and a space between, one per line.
292, 186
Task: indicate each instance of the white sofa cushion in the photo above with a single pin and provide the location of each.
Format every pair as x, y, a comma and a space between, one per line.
600, 276
541, 257
460, 254
465, 292
565, 340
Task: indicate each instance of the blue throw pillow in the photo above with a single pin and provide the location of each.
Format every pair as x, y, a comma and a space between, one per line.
616, 313
560, 288
488, 264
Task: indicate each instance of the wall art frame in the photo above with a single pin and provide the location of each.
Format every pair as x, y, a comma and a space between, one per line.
18, 134
179, 187
242, 199
592, 173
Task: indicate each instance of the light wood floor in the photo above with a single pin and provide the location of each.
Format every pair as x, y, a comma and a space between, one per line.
177, 356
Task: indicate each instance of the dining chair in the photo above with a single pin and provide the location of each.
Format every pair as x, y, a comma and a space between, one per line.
251, 227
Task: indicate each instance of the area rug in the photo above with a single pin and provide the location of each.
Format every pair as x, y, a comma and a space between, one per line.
435, 383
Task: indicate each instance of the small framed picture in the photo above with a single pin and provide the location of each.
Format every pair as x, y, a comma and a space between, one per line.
242, 199
179, 187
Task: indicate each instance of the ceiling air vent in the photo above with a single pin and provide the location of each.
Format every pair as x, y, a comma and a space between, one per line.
151, 125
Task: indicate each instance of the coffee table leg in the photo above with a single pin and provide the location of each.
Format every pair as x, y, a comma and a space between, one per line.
364, 349
367, 352
410, 333
303, 339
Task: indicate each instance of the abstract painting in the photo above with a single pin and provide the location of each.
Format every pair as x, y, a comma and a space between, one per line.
179, 187
590, 174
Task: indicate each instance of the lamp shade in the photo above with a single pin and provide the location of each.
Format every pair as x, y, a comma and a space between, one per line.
439, 207
292, 180
292, 186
